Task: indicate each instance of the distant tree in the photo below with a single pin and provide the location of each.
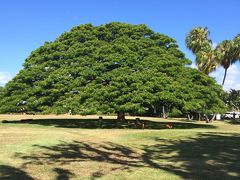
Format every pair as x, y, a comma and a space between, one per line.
113, 68
232, 99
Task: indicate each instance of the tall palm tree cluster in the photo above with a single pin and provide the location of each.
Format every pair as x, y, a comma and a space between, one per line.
208, 57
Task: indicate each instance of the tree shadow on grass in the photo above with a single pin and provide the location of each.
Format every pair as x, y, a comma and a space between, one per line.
208, 156
110, 124
76, 154
9, 172
63, 174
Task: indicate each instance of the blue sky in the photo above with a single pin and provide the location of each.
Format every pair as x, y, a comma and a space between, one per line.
27, 24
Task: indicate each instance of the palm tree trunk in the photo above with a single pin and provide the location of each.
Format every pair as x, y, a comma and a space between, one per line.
225, 74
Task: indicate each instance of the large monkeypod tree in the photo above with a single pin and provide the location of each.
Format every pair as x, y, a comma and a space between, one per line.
114, 68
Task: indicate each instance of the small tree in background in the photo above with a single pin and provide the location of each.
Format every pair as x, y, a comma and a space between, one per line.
232, 99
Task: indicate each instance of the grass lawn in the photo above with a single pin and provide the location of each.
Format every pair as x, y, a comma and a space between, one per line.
77, 147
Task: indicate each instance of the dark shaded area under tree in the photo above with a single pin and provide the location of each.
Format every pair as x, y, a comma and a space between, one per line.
110, 124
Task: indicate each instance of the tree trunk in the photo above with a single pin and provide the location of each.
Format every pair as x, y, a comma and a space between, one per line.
167, 114
207, 119
154, 110
214, 115
225, 74
164, 113
189, 117
199, 116
121, 116
167, 111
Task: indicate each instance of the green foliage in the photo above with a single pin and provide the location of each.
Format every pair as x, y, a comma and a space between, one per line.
228, 53
199, 43
236, 50
2, 91
197, 40
232, 99
107, 69
208, 58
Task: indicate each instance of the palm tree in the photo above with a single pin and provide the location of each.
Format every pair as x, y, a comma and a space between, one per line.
207, 61
236, 48
198, 42
207, 57
197, 39
229, 53
225, 55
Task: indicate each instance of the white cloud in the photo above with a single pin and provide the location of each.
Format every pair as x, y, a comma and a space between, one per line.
232, 80
4, 77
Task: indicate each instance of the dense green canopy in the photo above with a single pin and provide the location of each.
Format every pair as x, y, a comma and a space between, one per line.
110, 68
